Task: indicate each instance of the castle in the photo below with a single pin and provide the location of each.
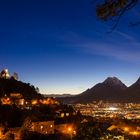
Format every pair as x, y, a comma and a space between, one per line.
5, 74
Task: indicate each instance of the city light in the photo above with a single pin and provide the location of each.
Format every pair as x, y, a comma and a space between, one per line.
69, 129
126, 129
41, 126
74, 132
34, 102
135, 133
112, 108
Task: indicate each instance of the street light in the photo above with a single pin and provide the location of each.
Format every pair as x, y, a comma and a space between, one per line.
126, 129
69, 129
135, 133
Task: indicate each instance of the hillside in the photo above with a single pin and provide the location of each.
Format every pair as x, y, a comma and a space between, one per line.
8, 86
132, 93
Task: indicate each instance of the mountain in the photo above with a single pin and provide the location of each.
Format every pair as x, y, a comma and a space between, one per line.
111, 90
114, 82
132, 93
27, 90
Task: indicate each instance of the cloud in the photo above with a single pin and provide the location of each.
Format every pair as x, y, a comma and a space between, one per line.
125, 36
118, 45
111, 50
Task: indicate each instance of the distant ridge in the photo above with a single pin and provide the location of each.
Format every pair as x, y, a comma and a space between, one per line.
111, 90
58, 95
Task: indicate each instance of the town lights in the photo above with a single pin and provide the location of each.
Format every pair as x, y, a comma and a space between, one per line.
34, 102
0, 134
135, 133
69, 129
113, 108
41, 127
74, 132
126, 129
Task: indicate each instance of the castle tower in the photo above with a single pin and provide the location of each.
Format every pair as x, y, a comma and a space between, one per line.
4, 74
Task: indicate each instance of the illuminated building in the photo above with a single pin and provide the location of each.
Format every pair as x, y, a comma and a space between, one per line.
6, 100
48, 101
4, 74
20, 102
34, 102
43, 127
16, 95
63, 114
65, 129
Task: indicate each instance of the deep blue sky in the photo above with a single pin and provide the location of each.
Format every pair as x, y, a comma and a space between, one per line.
60, 46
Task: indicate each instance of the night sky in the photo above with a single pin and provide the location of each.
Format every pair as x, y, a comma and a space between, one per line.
61, 47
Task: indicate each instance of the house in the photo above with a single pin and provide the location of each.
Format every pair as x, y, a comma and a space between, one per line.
6, 100
65, 128
43, 127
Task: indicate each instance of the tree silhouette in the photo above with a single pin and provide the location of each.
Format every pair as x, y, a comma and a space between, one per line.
14, 76
114, 9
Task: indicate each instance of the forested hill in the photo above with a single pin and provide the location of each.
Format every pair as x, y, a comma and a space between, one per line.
28, 91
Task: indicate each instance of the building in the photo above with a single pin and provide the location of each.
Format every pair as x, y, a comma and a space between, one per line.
6, 100
48, 101
15, 132
16, 95
5, 74
65, 128
43, 127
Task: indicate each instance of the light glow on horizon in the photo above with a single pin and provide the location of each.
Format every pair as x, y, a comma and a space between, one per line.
113, 108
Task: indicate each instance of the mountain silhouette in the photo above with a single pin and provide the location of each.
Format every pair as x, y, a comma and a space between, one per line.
111, 90
132, 93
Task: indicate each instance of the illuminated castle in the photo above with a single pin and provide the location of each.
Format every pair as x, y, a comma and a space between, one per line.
4, 74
